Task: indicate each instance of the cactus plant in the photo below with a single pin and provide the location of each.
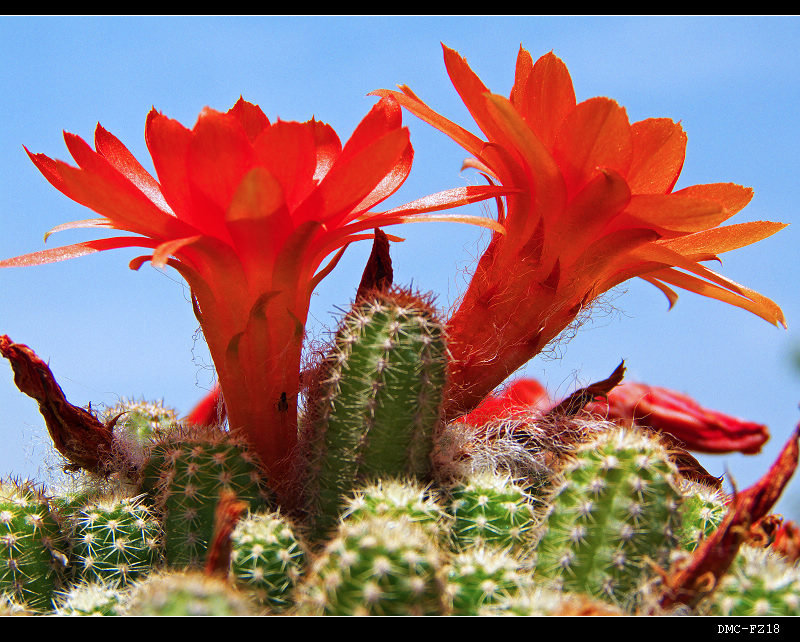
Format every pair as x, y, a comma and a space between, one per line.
114, 539
376, 400
481, 576
90, 598
137, 423
376, 567
406, 499
186, 474
186, 593
758, 583
490, 509
267, 559
615, 513
33, 548
704, 508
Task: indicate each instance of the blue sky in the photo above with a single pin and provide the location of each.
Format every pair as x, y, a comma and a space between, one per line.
108, 332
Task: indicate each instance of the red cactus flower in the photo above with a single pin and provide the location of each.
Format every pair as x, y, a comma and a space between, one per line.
594, 207
246, 211
673, 413
526, 395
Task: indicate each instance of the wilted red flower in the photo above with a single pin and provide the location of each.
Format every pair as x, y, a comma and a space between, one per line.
77, 434
787, 541
668, 412
246, 211
595, 207
673, 413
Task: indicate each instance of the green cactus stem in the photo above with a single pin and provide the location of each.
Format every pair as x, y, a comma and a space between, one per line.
404, 499
491, 510
376, 567
482, 576
267, 559
615, 514
376, 400
759, 583
91, 598
137, 424
33, 548
187, 593
114, 539
188, 471
704, 508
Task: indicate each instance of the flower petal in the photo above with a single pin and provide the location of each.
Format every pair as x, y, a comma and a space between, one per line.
287, 150
250, 117
659, 149
595, 134
672, 214
78, 249
667, 411
731, 196
543, 94
724, 239
412, 103
101, 188
352, 178
736, 294
220, 154
121, 159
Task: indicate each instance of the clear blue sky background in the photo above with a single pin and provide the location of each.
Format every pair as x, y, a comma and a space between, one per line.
109, 332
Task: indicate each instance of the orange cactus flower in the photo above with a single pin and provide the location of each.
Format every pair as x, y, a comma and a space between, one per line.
595, 207
246, 211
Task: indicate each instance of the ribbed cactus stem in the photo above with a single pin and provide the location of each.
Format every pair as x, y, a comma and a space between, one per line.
482, 576
615, 514
267, 559
136, 424
490, 509
704, 508
114, 539
759, 583
91, 598
376, 567
401, 499
188, 472
33, 548
376, 400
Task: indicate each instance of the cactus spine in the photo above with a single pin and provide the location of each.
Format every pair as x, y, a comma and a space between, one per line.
616, 511
376, 401
482, 576
90, 598
398, 499
704, 509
